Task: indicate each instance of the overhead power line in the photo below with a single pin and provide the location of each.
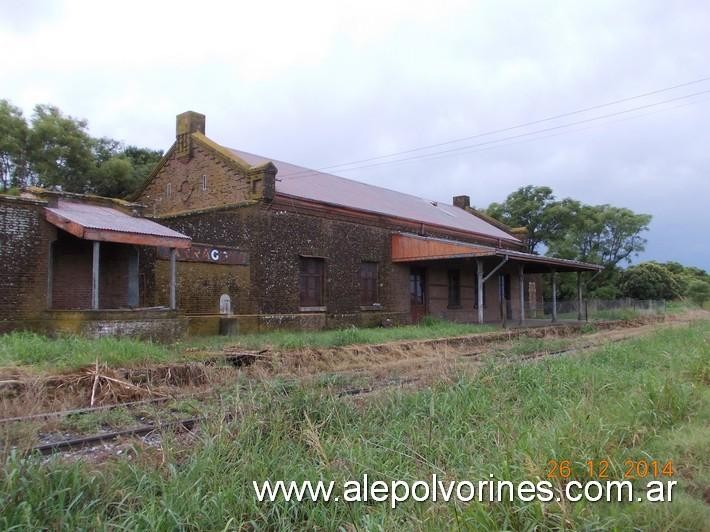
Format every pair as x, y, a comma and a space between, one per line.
434, 156
527, 134
350, 164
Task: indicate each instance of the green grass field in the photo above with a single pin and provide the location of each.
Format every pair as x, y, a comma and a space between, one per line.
647, 398
72, 352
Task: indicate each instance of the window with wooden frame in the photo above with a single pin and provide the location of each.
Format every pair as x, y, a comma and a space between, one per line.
368, 284
311, 282
454, 288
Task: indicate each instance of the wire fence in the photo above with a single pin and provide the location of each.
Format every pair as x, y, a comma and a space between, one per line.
597, 309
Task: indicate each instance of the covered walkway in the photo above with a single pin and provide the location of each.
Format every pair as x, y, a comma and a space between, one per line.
93, 263
420, 250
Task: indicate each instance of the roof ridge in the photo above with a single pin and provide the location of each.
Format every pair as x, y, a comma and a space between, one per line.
310, 172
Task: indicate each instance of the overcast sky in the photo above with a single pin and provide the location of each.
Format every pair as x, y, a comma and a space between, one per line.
323, 83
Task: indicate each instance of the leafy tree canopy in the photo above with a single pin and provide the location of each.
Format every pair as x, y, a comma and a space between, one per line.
56, 150
13, 141
570, 229
650, 280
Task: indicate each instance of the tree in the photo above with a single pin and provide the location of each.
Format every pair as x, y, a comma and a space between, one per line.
572, 230
602, 234
143, 161
13, 146
60, 150
56, 150
120, 170
650, 280
113, 178
527, 207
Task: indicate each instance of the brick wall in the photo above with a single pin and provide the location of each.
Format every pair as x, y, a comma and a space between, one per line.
200, 285
72, 273
24, 248
438, 291
178, 185
71, 280
270, 284
113, 275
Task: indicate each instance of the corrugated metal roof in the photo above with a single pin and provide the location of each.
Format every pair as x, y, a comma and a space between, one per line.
301, 182
104, 218
413, 248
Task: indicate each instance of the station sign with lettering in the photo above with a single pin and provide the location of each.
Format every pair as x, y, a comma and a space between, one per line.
207, 253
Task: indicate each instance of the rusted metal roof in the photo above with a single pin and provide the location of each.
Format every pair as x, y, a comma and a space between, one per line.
296, 181
103, 223
415, 248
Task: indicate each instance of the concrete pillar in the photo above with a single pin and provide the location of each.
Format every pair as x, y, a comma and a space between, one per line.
554, 296
521, 289
95, 276
579, 296
173, 287
479, 284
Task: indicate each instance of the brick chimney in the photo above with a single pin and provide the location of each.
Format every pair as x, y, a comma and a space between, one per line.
187, 123
462, 202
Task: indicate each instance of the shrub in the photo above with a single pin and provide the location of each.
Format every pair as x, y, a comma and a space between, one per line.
699, 291
650, 280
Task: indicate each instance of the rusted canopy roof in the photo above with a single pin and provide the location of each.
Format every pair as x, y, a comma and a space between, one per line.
415, 248
106, 224
296, 181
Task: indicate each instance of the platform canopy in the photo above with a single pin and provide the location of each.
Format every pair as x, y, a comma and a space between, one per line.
415, 248
107, 224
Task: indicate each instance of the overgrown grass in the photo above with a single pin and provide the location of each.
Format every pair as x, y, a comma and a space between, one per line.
430, 328
615, 314
647, 398
71, 352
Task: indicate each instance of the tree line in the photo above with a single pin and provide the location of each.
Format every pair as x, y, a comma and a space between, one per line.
601, 234
54, 150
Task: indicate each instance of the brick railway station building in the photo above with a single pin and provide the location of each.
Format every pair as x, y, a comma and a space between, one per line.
221, 240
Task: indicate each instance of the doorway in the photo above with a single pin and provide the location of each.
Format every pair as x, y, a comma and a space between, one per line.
504, 296
417, 294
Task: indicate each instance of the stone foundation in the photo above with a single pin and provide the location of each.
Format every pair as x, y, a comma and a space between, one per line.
156, 325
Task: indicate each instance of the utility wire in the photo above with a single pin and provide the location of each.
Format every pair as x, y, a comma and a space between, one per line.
434, 156
502, 130
307, 172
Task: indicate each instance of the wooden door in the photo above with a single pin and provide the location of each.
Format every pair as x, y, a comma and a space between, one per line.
417, 294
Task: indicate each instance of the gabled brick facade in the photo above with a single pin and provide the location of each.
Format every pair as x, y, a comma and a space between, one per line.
206, 192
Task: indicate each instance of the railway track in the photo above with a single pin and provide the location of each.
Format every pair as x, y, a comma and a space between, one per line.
87, 441
192, 422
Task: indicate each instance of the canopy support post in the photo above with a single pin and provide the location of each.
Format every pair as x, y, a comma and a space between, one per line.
479, 291
521, 289
173, 298
96, 253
